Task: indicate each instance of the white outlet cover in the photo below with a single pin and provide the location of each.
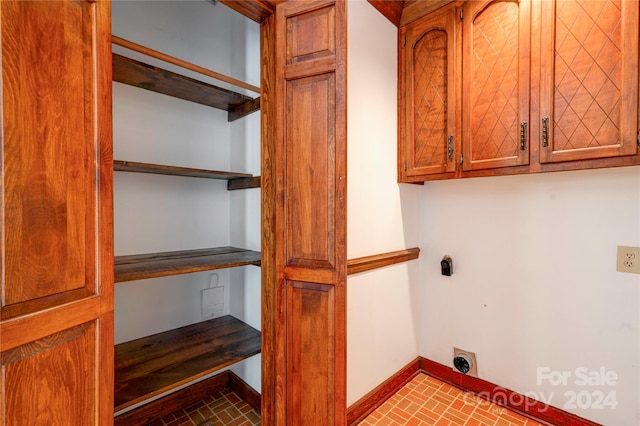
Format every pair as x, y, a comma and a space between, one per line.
628, 259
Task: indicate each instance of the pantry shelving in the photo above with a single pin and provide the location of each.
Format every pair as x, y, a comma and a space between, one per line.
156, 364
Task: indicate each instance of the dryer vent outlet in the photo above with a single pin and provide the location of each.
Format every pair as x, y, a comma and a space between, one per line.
465, 362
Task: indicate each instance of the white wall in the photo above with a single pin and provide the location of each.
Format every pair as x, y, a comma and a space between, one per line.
534, 285
382, 305
163, 213
245, 293
534, 281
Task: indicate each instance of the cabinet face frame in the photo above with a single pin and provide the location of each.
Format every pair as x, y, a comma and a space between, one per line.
448, 147
472, 10
627, 123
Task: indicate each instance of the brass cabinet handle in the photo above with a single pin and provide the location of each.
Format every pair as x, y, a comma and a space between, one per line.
545, 131
523, 136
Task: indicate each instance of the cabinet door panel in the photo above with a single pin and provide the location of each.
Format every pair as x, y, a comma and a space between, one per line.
428, 107
496, 46
310, 366
37, 394
50, 207
589, 79
310, 190
57, 255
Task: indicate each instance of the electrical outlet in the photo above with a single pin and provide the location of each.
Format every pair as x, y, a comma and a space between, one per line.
465, 362
628, 259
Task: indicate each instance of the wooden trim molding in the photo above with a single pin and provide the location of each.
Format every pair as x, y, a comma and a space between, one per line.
368, 403
390, 9
168, 404
507, 398
256, 10
367, 263
416, 9
184, 397
244, 391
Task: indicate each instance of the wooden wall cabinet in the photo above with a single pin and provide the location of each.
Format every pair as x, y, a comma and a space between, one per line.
495, 83
589, 80
450, 124
545, 86
429, 110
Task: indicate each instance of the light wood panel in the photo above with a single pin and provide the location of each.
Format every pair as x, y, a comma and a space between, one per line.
57, 174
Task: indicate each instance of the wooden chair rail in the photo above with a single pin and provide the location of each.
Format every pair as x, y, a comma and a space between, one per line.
367, 263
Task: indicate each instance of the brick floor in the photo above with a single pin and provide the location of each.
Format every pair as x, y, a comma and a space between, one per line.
427, 401
423, 401
223, 408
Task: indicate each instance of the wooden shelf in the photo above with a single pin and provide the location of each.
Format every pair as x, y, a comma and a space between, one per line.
367, 263
240, 180
153, 265
155, 364
138, 74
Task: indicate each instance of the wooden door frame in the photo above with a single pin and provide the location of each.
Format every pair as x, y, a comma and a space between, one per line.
263, 12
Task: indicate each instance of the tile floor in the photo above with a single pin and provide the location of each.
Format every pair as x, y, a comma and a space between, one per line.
423, 401
427, 401
223, 408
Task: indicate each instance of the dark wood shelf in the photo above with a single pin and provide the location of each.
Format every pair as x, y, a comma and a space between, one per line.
138, 74
367, 263
240, 180
153, 265
151, 365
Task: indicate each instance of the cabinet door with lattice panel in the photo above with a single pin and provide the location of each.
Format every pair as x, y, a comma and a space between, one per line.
589, 79
496, 56
428, 108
